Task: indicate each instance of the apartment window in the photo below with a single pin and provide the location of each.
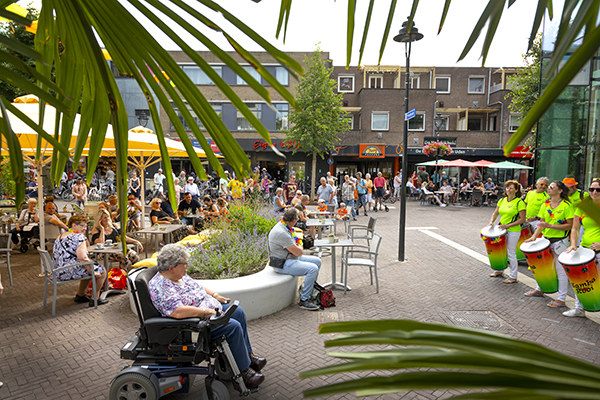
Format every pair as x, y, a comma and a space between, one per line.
442, 84
350, 118
475, 124
417, 123
253, 73
380, 121
198, 76
282, 75
281, 118
415, 81
514, 122
476, 85
242, 123
375, 82
345, 84
217, 107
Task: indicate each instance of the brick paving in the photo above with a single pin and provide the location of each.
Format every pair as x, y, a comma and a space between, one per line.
76, 354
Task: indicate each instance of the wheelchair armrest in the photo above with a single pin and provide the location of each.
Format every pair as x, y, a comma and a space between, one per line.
166, 322
223, 318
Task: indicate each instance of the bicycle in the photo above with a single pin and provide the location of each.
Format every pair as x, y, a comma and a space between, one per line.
152, 193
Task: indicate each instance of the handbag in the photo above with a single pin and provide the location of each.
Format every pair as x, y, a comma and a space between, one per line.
276, 262
322, 297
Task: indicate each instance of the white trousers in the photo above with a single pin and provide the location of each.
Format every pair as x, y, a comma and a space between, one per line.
512, 238
563, 279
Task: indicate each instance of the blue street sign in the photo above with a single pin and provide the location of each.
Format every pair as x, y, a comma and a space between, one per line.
411, 114
330, 161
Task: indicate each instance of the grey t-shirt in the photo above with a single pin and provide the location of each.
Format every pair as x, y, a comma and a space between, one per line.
325, 192
280, 238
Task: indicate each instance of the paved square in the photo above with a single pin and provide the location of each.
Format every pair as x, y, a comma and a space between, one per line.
76, 354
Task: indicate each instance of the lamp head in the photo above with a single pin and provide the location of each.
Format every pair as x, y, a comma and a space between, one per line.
404, 36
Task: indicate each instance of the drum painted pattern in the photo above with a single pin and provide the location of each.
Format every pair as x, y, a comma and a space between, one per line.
583, 275
526, 233
541, 262
496, 249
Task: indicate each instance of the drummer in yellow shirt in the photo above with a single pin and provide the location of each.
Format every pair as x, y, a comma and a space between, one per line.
535, 199
556, 220
512, 215
236, 189
589, 239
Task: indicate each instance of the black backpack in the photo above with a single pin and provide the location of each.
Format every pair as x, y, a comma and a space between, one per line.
308, 242
322, 297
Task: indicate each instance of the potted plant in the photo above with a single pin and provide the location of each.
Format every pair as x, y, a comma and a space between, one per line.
437, 149
157, 226
331, 238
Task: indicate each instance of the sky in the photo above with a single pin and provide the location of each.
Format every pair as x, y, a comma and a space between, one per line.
323, 22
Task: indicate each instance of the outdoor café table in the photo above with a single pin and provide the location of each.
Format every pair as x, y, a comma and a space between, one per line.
316, 222
106, 251
343, 243
168, 230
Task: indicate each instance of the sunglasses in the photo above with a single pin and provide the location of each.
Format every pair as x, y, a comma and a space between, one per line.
597, 190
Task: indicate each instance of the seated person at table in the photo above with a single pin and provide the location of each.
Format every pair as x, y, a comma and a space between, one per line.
157, 215
448, 194
462, 189
413, 189
426, 188
491, 186
279, 205
134, 212
25, 224
71, 247
50, 199
187, 206
286, 256
321, 206
174, 294
222, 203
51, 218
298, 198
210, 208
342, 213
479, 186
113, 207
104, 230
166, 204
303, 216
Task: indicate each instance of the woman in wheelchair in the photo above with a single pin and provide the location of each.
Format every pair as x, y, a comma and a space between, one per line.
70, 248
175, 294
27, 217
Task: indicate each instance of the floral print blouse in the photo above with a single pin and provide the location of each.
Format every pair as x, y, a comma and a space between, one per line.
167, 295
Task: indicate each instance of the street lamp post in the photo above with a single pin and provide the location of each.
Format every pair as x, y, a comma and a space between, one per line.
438, 120
407, 35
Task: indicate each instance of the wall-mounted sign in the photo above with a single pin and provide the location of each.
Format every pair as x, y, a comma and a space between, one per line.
372, 150
284, 145
450, 141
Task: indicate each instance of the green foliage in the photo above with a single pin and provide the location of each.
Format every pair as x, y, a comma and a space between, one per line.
17, 32
317, 125
7, 183
237, 245
452, 357
525, 84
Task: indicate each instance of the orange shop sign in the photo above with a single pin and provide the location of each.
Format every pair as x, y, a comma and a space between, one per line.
372, 151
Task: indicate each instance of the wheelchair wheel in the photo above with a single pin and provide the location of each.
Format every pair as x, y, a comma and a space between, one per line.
392, 199
219, 391
223, 369
133, 386
67, 196
24, 248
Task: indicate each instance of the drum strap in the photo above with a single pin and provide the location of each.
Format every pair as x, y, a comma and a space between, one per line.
554, 239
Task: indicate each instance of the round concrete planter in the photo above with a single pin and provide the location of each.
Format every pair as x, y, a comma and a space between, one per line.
260, 294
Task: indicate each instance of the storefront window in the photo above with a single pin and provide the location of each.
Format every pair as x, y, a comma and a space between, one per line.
297, 168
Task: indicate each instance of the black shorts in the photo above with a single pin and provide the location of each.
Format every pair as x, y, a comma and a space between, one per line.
379, 193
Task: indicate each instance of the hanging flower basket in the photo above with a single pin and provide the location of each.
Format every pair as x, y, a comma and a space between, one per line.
437, 148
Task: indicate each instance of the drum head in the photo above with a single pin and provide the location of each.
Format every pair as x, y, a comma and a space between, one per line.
539, 244
580, 256
493, 231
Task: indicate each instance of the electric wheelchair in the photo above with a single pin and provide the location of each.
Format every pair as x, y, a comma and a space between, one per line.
166, 351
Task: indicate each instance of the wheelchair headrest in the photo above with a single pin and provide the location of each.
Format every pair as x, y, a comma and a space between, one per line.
143, 294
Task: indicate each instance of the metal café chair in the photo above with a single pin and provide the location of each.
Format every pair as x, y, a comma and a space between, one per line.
5, 241
366, 258
51, 278
356, 232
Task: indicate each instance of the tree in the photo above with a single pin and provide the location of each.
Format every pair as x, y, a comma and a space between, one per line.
317, 125
18, 33
525, 85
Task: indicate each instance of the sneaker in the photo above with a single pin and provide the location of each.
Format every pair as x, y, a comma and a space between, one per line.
443, 205
308, 305
574, 312
366, 215
374, 210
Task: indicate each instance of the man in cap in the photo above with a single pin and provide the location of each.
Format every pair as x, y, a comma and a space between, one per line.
159, 179
191, 188
263, 173
575, 195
